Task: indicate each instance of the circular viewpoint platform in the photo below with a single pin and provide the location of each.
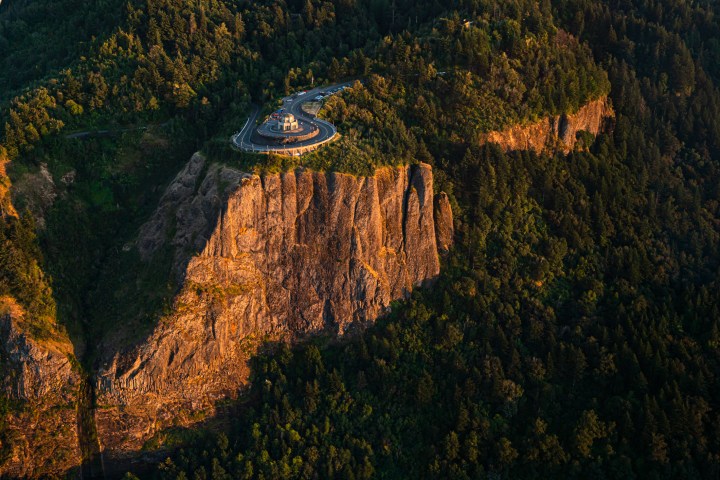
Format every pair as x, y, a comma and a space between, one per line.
290, 130
286, 128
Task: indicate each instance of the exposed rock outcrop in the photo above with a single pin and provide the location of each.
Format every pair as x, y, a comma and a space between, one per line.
276, 257
444, 228
38, 386
36, 192
6, 208
40, 435
557, 133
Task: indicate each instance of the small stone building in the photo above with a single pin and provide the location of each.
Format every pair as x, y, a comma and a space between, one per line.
287, 123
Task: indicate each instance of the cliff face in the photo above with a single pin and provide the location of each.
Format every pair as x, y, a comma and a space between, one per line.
279, 257
38, 386
40, 434
557, 133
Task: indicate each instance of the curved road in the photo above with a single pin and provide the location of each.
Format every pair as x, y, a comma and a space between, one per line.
291, 104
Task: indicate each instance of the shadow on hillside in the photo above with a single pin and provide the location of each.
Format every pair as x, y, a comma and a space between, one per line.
228, 417
166, 442
130, 297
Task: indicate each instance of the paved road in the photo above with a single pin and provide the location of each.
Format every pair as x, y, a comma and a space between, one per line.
292, 104
88, 133
242, 139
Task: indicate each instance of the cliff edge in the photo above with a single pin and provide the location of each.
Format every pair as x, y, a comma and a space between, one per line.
265, 258
558, 133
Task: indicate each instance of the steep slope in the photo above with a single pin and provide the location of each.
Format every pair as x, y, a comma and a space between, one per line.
39, 433
279, 257
38, 384
558, 133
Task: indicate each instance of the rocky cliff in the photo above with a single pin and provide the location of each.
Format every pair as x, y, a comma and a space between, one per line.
39, 384
557, 133
263, 258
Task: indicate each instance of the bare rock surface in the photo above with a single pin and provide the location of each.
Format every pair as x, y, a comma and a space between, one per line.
278, 256
38, 378
557, 133
36, 192
444, 228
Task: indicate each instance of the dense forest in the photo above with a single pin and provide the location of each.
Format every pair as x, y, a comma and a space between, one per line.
574, 331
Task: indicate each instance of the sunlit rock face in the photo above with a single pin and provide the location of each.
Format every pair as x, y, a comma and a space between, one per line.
277, 256
557, 133
37, 376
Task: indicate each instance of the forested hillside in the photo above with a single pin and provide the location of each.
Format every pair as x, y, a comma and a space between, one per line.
172, 76
574, 333
574, 330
